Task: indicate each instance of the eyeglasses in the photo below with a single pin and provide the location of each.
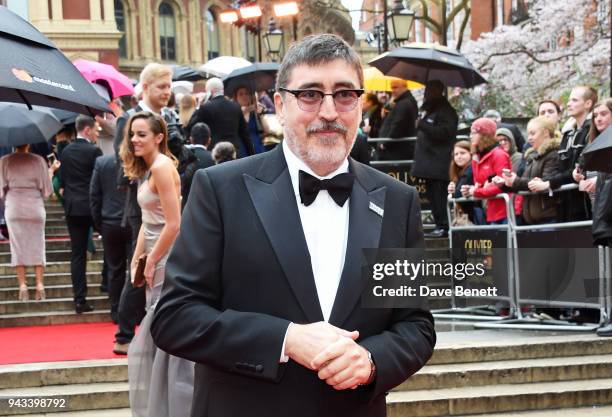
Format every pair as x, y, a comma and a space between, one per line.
310, 100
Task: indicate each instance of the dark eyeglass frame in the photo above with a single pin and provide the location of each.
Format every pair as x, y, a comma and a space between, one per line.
296, 93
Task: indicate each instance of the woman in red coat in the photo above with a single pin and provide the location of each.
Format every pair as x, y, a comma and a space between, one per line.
488, 161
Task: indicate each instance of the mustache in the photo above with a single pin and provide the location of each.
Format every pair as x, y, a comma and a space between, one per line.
327, 127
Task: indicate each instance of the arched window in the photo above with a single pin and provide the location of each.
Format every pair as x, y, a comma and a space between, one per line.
250, 45
212, 29
120, 20
167, 32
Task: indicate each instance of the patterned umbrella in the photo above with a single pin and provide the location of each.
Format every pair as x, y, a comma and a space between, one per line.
33, 71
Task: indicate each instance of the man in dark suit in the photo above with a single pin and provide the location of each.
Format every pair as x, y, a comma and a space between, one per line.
107, 211
436, 136
264, 282
399, 123
199, 139
224, 118
78, 161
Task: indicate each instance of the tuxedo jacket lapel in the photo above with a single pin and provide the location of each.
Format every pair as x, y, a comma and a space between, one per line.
272, 195
367, 203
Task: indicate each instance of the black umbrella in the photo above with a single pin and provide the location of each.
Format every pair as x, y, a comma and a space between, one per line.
185, 73
20, 125
33, 71
69, 117
598, 154
426, 62
256, 77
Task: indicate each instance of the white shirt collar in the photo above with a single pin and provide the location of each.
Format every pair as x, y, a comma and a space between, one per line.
295, 165
81, 137
144, 107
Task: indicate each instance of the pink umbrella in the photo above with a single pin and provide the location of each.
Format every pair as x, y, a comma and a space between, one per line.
93, 71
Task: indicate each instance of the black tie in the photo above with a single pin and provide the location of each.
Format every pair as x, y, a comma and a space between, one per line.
338, 187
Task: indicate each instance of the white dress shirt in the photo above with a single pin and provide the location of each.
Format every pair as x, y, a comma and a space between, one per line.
325, 226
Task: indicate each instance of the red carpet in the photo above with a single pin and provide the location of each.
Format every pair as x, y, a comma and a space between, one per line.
66, 342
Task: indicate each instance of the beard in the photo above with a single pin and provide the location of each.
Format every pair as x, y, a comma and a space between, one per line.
318, 151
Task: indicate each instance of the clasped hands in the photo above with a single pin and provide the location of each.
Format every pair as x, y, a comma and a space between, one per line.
331, 351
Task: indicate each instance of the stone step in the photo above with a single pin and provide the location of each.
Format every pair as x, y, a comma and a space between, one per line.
77, 397
510, 372
61, 373
499, 398
55, 220
437, 243
51, 291
593, 411
51, 244
117, 412
439, 376
54, 317
53, 267
44, 306
500, 345
422, 403
56, 230
54, 255
58, 278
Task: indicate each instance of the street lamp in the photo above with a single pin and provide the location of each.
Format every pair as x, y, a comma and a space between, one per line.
399, 22
273, 38
288, 9
228, 16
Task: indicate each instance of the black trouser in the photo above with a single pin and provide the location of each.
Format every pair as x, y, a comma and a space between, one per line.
437, 191
78, 228
132, 301
117, 243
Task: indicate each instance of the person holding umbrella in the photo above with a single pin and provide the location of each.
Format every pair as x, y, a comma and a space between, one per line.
436, 132
25, 181
251, 111
24, 184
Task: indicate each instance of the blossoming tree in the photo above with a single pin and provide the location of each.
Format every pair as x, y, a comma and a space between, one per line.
561, 44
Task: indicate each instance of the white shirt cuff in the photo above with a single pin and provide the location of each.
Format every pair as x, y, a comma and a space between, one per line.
284, 358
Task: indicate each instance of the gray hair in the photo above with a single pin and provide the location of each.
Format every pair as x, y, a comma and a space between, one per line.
214, 86
223, 152
315, 50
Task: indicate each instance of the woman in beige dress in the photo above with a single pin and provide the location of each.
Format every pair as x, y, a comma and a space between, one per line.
161, 385
24, 184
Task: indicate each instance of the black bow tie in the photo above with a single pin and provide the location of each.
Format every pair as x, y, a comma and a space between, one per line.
338, 187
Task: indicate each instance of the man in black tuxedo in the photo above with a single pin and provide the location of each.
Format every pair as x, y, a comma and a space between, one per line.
78, 161
264, 282
223, 117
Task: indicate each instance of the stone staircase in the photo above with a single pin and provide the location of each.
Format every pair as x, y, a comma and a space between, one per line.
472, 373
58, 308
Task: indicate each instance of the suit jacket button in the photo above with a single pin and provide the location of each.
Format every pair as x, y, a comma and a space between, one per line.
259, 369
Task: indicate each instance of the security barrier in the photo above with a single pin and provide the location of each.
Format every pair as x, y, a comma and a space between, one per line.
561, 268
492, 245
400, 169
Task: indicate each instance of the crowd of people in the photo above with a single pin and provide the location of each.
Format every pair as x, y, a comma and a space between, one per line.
497, 158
